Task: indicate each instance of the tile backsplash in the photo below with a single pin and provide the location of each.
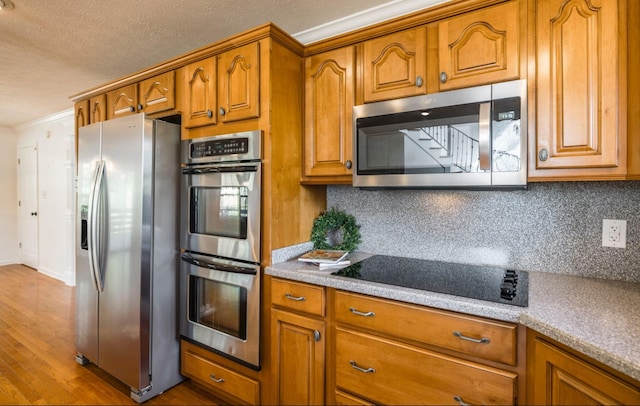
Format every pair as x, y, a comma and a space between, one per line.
550, 227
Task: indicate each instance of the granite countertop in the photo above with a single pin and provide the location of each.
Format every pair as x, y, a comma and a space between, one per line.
598, 317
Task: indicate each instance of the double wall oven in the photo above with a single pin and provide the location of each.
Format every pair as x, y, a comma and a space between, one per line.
220, 241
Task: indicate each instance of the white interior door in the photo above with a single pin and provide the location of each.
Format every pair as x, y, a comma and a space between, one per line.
28, 205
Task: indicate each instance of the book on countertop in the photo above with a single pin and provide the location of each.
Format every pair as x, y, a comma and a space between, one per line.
331, 257
339, 264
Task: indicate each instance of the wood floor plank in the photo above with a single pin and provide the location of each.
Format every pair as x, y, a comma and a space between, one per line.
37, 350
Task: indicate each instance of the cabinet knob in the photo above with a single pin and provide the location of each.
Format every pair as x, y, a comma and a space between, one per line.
221, 111
209, 113
140, 106
419, 81
132, 109
443, 77
316, 335
543, 154
348, 164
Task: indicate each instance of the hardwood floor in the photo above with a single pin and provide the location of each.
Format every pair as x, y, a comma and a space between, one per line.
37, 350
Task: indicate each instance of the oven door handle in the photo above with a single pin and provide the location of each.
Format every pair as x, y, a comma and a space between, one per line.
218, 169
216, 266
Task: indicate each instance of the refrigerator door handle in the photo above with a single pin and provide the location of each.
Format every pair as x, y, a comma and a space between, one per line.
95, 226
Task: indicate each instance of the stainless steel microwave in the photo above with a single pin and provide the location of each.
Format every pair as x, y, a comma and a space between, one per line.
468, 138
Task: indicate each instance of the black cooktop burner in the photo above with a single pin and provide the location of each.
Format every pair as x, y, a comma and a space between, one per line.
489, 283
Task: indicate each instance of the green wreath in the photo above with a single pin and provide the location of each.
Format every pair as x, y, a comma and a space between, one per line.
334, 220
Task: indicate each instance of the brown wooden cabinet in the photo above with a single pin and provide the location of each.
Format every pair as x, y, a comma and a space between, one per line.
581, 106
122, 102
297, 343
150, 96
239, 83
200, 95
98, 108
395, 65
389, 352
198, 364
392, 372
158, 93
478, 47
329, 100
560, 376
81, 114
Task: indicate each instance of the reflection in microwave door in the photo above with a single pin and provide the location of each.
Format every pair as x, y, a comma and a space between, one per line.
506, 146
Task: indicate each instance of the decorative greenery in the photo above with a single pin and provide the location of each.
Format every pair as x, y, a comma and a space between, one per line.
330, 223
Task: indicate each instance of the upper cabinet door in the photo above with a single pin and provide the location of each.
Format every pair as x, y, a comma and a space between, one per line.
581, 106
479, 47
329, 100
98, 108
81, 114
394, 65
239, 83
122, 102
158, 93
200, 93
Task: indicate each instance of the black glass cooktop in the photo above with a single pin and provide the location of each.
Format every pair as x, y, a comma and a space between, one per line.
489, 283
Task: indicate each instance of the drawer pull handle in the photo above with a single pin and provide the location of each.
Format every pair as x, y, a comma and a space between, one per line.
482, 340
296, 298
367, 314
459, 400
214, 379
356, 367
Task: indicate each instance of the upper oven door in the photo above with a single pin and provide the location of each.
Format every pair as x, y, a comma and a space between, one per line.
221, 210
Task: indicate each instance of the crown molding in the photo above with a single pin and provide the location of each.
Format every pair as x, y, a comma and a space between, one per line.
374, 15
60, 116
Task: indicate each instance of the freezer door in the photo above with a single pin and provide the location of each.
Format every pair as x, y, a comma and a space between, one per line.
124, 304
89, 138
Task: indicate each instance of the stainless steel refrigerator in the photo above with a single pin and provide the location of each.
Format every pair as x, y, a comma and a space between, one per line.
127, 252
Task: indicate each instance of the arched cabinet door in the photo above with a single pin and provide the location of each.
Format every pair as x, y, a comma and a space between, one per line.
98, 108
479, 47
329, 100
394, 65
239, 83
580, 89
200, 93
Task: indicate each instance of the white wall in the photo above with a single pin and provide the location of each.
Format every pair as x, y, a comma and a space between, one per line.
8, 197
53, 137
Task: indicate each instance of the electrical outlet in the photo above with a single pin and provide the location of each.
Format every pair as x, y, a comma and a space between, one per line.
614, 233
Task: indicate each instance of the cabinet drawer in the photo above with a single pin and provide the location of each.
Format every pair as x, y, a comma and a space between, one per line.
387, 372
212, 375
298, 296
441, 328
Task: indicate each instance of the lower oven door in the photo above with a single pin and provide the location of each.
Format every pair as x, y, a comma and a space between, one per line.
220, 306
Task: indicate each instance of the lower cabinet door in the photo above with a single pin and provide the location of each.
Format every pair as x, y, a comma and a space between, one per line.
388, 372
560, 378
297, 348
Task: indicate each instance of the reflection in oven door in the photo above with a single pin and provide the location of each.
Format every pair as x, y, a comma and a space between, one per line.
220, 306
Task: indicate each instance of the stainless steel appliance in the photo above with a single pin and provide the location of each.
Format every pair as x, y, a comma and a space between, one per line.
220, 237
490, 283
127, 252
469, 138
221, 196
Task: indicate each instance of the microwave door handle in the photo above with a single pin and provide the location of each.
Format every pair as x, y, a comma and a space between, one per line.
218, 267
484, 136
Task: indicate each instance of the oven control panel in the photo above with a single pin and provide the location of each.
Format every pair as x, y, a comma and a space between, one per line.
236, 147
219, 147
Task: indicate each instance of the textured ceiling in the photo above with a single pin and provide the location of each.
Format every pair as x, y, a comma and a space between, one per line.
53, 49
